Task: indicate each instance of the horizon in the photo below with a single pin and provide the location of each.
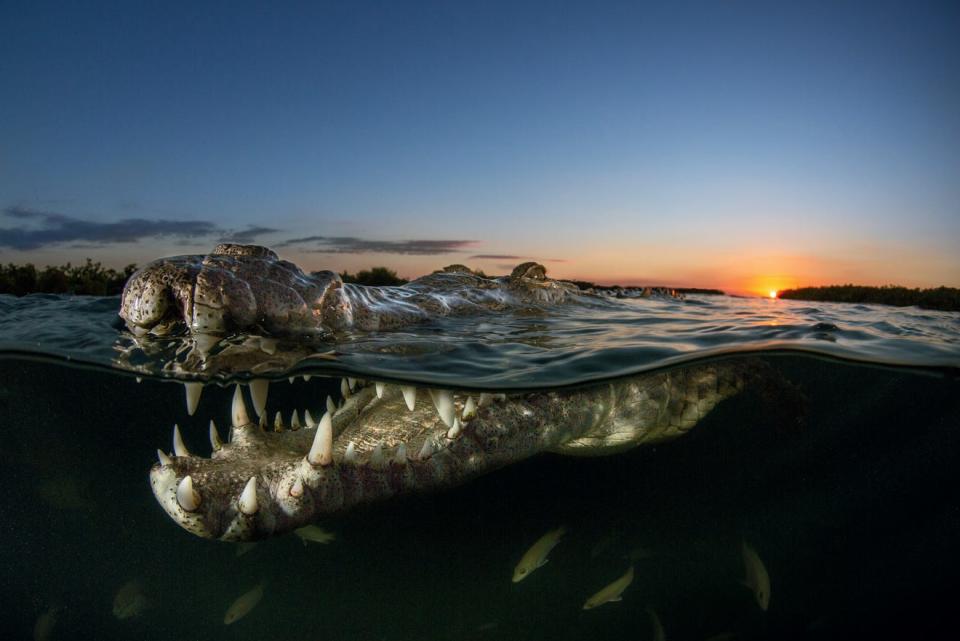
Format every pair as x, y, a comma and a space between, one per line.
736, 147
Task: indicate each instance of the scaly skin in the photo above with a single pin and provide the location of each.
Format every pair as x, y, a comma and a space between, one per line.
267, 481
292, 492
247, 288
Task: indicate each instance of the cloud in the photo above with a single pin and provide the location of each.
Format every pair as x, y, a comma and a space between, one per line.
512, 257
248, 235
353, 245
495, 257
298, 241
47, 228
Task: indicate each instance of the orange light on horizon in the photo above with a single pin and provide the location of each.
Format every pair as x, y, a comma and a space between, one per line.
767, 285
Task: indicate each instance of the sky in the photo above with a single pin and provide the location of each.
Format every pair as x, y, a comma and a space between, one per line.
745, 146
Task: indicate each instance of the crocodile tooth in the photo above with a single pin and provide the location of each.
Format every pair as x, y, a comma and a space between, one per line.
263, 421
401, 456
484, 399
350, 454
193, 396
215, 441
164, 459
179, 449
278, 423
139, 379
187, 497
321, 452
427, 450
469, 409
409, 395
291, 379
240, 416
376, 457
295, 421
258, 393
443, 400
248, 498
296, 489
454, 430
351, 383
380, 388
308, 420
306, 378
331, 406
344, 388
268, 345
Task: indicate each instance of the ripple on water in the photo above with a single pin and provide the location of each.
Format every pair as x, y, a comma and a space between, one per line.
572, 344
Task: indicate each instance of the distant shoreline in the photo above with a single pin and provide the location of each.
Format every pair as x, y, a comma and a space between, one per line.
946, 299
92, 279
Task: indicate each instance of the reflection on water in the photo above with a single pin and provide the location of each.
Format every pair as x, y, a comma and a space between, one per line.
573, 343
842, 525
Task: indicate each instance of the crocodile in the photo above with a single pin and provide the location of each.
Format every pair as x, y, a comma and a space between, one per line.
379, 439
247, 288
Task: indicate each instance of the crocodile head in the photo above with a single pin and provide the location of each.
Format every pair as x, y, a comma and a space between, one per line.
266, 477
248, 289
234, 288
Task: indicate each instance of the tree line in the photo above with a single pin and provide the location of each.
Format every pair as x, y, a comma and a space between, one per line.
940, 298
90, 278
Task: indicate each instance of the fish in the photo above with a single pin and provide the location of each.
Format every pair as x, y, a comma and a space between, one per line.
658, 632
46, 622
314, 534
755, 576
246, 546
130, 600
610, 593
536, 556
243, 604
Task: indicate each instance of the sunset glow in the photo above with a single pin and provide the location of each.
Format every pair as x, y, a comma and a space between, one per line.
430, 146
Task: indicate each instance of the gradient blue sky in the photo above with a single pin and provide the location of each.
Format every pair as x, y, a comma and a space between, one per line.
729, 144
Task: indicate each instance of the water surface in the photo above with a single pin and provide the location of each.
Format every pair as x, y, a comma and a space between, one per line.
854, 509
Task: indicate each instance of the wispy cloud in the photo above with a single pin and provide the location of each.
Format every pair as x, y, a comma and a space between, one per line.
248, 235
46, 228
495, 257
354, 245
298, 241
513, 257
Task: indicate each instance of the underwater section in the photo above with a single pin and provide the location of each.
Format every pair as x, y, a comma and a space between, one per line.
822, 508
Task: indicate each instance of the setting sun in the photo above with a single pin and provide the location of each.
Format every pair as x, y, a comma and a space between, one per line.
773, 293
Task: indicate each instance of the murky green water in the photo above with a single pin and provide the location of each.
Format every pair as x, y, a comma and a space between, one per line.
851, 499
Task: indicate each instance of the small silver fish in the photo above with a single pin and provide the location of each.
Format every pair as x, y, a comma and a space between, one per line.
130, 600
246, 546
536, 556
243, 604
755, 576
610, 593
314, 534
658, 632
46, 622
